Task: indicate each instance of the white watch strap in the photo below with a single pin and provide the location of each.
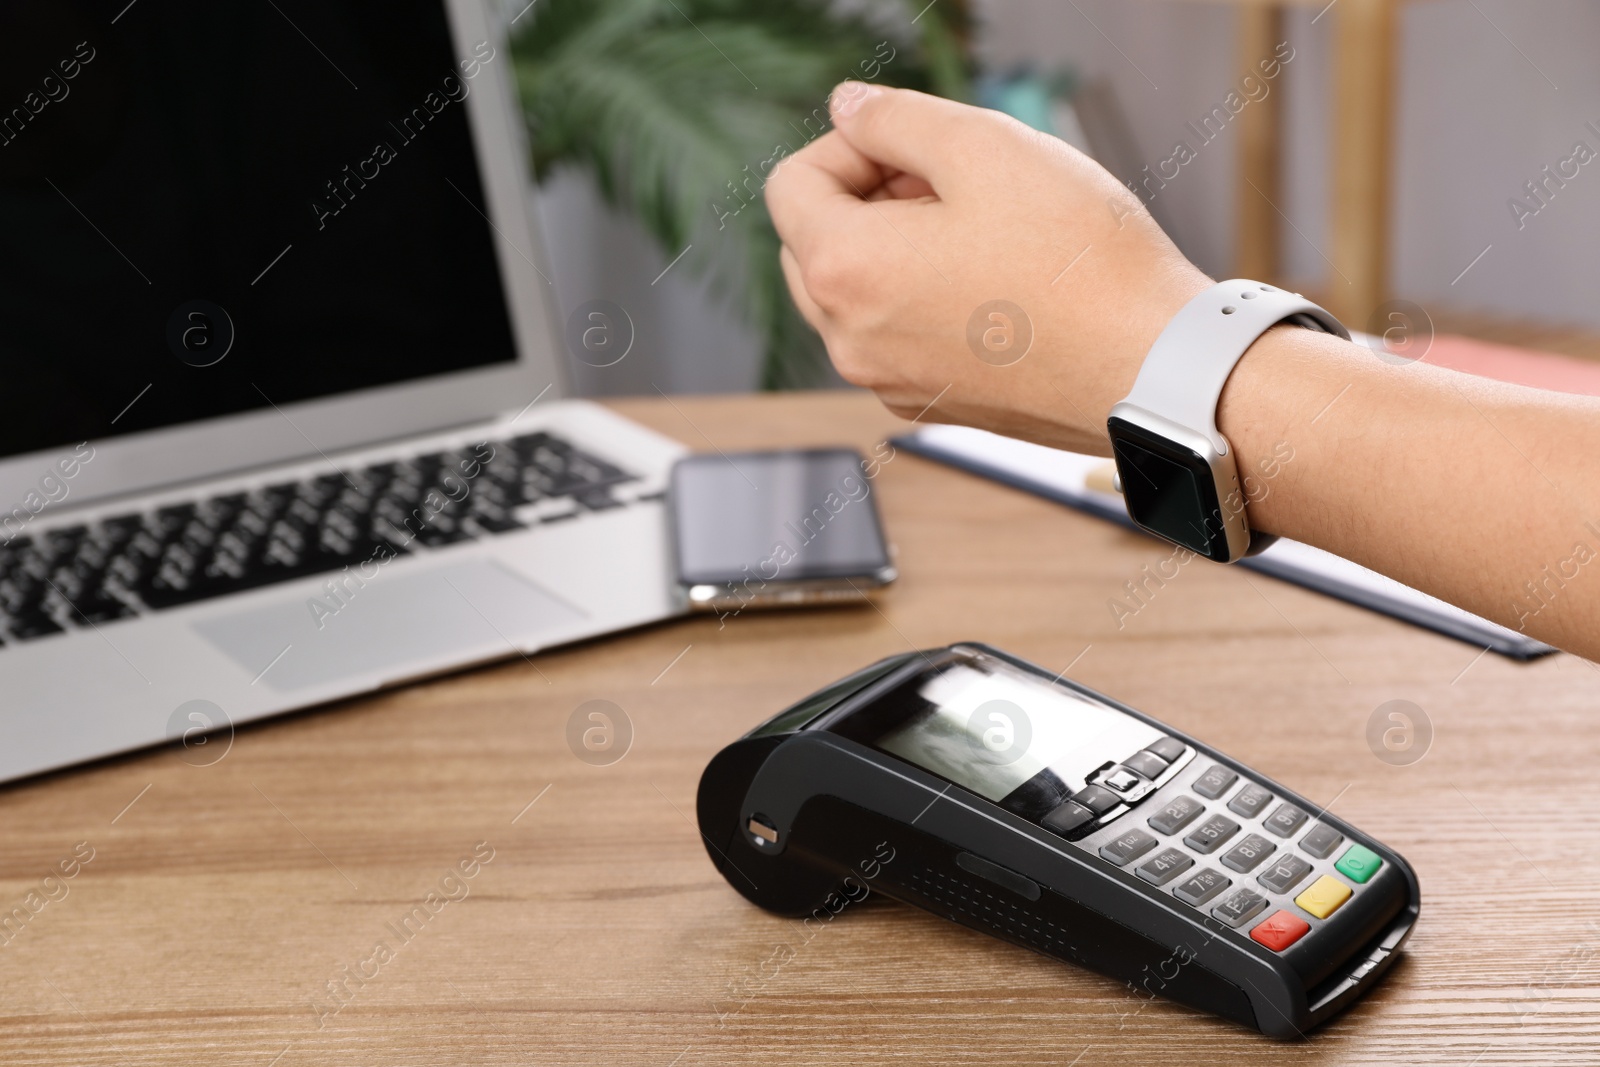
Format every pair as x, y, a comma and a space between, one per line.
1184, 373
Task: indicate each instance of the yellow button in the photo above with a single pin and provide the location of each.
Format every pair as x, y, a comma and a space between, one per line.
1324, 896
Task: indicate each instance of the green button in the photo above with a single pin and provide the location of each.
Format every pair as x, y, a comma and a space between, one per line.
1358, 864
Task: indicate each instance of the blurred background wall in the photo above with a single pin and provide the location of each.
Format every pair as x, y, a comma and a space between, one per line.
687, 339
1488, 93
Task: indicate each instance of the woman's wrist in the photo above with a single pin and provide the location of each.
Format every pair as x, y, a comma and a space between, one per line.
1109, 364
1280, 412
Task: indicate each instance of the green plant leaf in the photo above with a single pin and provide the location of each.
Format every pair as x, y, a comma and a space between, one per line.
679, 108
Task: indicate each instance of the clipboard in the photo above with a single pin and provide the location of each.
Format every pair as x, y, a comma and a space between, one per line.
1063, 477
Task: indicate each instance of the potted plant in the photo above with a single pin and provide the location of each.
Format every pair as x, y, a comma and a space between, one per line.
680, 108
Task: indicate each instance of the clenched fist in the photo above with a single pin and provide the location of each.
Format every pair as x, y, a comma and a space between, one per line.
950, 253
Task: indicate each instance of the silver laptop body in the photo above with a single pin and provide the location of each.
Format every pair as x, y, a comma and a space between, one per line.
215, 570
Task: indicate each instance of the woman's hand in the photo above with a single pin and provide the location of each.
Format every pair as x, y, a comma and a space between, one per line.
903, 226
951, 256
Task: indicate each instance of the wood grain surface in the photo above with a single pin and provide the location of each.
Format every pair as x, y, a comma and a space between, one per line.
222, 901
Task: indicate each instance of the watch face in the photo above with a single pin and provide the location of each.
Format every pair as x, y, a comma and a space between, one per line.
1169, 490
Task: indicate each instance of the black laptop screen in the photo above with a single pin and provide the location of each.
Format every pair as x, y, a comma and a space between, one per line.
209, 207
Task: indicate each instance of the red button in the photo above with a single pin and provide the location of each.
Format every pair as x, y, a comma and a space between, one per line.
1280, 931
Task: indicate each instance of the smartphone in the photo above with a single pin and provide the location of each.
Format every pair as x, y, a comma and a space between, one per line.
775, 529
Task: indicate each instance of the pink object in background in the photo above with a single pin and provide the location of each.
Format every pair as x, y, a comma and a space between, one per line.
1520, 366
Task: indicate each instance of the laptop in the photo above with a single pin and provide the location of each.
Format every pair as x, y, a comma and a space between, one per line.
283, 418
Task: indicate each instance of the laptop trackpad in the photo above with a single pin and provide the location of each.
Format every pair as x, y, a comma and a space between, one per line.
392, 627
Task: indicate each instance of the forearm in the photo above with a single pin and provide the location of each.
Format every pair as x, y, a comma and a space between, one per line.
918, 223
1482, 494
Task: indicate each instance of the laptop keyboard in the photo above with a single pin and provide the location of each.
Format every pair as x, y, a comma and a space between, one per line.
129, 564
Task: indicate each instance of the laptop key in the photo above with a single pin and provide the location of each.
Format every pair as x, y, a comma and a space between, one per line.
597, 499
100, 609
500, 522
28, 627
64, 540
173, 518
443, 530
122, 527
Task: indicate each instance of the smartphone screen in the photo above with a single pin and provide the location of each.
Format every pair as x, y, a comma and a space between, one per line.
789, 516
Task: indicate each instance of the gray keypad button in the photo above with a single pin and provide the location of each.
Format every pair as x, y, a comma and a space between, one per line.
1168, 748
1067, 817
1208, 835
1128, 847
1320, 841
1204, 885
1215, 782
1164, 866
1285, 820
1176, 814
1096, 799
1240, 908
1285, 874
1120, 779
1247, 854
1147, 764
1251, 801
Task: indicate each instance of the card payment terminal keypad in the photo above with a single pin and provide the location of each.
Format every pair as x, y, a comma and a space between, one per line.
1262, 883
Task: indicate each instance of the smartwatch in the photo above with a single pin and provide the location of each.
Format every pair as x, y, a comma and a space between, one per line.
1178, 475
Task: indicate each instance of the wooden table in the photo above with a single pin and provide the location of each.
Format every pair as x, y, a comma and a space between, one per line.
222, 900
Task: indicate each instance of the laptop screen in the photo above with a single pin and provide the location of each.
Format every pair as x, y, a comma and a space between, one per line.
208, 208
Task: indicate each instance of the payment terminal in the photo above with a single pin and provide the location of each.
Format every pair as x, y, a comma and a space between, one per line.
981, 788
